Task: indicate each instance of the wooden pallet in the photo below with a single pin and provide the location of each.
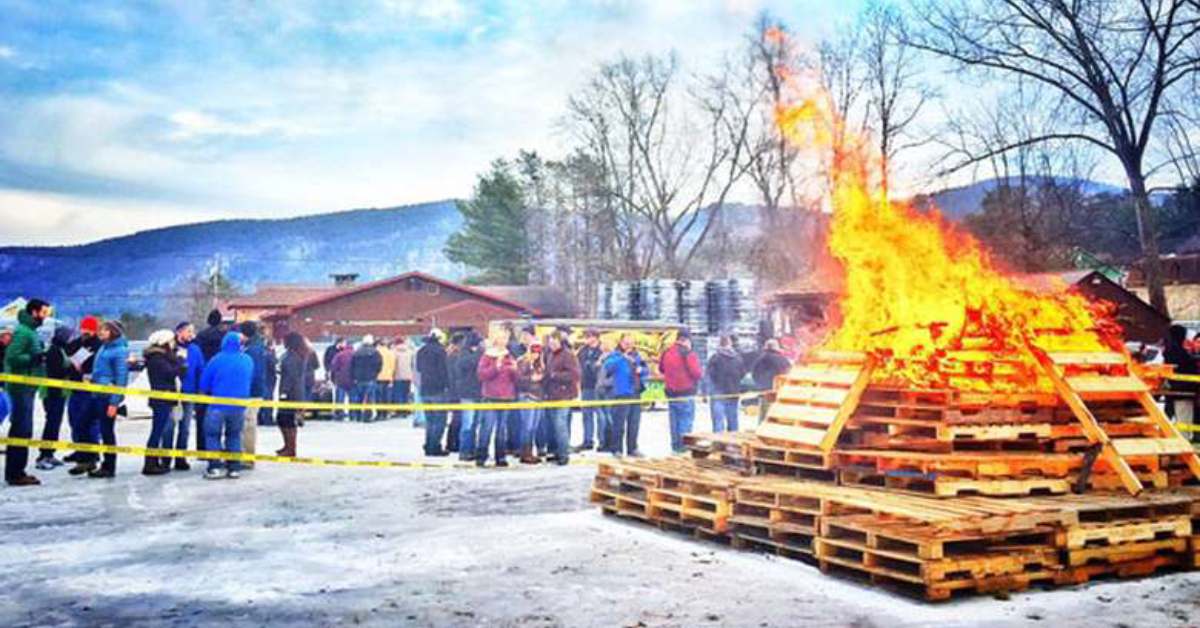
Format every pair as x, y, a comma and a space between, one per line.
1085, 535
1139, 568
815, 400
951, 486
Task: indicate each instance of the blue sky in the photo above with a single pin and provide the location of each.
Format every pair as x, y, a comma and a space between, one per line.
129, 115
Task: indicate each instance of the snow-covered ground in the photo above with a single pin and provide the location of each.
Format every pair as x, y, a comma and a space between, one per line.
313, 546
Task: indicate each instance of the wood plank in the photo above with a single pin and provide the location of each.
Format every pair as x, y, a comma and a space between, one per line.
816, 375
1105, 358
1108, 385
812, 394
791, 433
848, 408
787, 412
1151, 446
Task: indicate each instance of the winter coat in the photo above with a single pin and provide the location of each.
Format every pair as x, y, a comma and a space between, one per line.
270, 373
404, 363
327, 360
531, 371
163, 368
725, 372
257, 350
562, 375
681, 371
189, 380
24, 352
589, 366
1185, 364
433, 369
769, 365
229, 373
209, 340
622, 372
92, 344
387, 357
464, 374
498, 377
343, 377
57, 364
293, 376
365, 364
112, 367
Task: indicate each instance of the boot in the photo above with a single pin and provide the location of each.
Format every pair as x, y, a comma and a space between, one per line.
82, 468
527, 456
289, 442
181, 464
153, 467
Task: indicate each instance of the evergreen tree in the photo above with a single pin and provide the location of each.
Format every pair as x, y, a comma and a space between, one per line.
493, 239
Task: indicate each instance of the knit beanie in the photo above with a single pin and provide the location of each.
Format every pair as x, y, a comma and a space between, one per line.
214, 318
89, 324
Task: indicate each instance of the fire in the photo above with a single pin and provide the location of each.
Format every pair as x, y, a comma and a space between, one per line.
926, 299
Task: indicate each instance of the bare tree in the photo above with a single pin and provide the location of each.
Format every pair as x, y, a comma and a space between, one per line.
1110, 64
895, 90
670, 156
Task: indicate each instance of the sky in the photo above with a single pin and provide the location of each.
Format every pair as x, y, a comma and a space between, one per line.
121, 116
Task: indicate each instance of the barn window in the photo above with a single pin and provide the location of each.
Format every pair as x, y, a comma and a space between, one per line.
433, 288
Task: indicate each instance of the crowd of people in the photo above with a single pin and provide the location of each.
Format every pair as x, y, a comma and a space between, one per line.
469, 375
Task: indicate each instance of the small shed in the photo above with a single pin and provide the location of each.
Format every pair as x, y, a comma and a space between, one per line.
1141, 322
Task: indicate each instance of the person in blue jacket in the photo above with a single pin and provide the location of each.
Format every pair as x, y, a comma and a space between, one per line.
110, 368
229, 375
625, 373
257, 349
189, 383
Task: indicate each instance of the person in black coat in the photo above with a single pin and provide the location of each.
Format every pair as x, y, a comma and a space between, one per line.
434, 372
365, 364
725, 371
295, 377
464, 378
771, 364
1181, 404
163, 368
58, 366
209, 339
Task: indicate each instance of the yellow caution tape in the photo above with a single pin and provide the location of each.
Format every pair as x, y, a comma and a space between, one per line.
1179, 377
34, 443
45, 382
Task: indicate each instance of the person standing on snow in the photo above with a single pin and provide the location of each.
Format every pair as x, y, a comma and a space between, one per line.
531, 371
680, 367
25, 356
403, 376
771, 364
365, 365
625, 370
229, 374
497, 373
387, 372
589, 366
343, 379
464, 381
434, 374
294, 372
256, 349
725, 373
163, 367
82, 351
189, 383
54, 400
209, 342
111, 368
562, 384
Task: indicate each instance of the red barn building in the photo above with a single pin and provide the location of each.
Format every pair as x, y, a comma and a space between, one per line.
408, 304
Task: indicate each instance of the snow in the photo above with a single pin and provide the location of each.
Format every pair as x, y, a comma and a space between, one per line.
305, 546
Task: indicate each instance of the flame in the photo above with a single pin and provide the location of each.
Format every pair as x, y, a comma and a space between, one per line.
926, 299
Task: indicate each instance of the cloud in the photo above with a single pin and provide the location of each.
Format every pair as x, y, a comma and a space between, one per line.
219, 109
6, 52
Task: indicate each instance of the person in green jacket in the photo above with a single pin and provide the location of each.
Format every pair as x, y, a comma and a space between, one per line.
26, 355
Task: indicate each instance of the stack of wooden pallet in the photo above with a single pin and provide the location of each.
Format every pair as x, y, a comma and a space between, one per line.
940, 490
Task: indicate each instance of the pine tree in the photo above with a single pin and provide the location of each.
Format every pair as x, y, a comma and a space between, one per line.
493, 239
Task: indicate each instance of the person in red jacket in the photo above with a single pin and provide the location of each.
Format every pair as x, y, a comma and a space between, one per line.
680, 368
497, 372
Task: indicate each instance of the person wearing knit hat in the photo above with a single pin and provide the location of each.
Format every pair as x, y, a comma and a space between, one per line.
111, 368
163, 368
81, 352
189, 383
89, 325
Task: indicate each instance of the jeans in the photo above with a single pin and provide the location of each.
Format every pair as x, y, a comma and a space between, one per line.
466, 432
223, 432
604, 425
340, 396
383, 394
54, 406
512, 429
560, 422
401, 391
91, 424
186, 412
201, 439
108, 428
20, 425
453, 429
162, 427
626, 419
435, 426
682, 414
77, 407
588, 415
544, 436
529, 425
724, 414
364, 392
491, 422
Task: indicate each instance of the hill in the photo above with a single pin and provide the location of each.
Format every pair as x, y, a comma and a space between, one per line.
148, 271
959, 202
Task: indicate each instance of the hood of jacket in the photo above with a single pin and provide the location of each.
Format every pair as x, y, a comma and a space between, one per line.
231, 343
728, 352
26, 319
62, 335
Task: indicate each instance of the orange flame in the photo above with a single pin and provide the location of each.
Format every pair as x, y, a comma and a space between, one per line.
924, 298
